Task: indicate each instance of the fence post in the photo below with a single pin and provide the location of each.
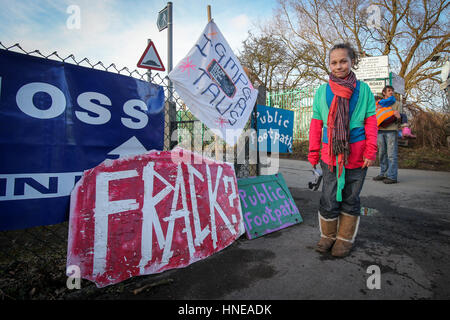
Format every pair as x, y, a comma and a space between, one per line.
170, 118
261, 100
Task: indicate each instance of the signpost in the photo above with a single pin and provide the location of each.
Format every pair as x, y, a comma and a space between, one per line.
375, 72
169, 48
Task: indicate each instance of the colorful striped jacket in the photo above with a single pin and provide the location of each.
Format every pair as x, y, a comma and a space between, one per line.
363, 126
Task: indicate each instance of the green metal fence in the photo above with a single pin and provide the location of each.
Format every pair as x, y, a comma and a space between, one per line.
300, 101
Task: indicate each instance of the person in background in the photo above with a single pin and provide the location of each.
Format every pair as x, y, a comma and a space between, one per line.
344, 131
388, 139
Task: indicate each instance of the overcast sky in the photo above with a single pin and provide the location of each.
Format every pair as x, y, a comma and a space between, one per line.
116, 31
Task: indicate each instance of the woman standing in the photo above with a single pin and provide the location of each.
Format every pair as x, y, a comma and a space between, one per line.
345, 124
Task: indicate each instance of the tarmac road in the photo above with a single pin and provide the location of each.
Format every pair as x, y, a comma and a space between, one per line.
407, 238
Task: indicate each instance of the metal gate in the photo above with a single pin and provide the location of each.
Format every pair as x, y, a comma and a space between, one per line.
300, 101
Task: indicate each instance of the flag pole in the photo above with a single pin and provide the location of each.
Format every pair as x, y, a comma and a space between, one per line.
169, 45
216, 141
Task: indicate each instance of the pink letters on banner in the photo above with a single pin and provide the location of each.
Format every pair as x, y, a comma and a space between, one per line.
149, 213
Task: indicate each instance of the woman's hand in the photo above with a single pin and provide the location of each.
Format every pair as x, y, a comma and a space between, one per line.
367, 163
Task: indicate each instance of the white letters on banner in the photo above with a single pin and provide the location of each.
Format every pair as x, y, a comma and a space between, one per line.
214, 86
94, 102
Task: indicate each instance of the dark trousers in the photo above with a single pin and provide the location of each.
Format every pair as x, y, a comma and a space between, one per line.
354, 179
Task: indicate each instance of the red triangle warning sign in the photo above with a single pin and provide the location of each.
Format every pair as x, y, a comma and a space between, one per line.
150, 59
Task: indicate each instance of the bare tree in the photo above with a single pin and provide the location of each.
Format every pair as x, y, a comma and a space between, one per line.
410, 32
273, 64
263, 56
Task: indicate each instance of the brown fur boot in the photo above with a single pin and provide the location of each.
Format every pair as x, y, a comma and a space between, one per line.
328, 230
347, 230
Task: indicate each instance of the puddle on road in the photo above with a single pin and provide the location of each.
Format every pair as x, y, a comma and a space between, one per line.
369, 211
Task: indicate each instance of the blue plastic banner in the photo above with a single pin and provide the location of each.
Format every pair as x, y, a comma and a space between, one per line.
275, 129
57, 120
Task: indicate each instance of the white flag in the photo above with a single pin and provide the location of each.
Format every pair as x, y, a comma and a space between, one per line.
214, 86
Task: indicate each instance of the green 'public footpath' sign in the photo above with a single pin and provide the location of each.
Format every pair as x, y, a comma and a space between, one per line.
267, 205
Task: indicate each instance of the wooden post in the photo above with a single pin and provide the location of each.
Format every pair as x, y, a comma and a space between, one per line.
216, 140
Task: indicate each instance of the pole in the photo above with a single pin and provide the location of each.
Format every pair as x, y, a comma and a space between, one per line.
149, 71
169, 45
217, 146
173, 126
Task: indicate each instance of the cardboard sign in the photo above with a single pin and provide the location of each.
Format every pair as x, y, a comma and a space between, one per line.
275, 129
150, 213
267, 205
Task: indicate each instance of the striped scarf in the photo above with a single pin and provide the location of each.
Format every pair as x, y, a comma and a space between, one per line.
338, 119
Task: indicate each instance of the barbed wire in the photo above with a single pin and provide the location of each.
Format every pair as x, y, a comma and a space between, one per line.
85, 62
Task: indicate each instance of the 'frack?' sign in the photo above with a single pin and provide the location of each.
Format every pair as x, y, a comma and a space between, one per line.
214, 86
152, 212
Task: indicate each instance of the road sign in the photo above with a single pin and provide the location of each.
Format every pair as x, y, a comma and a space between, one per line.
373, 68
376, 85
150, 59
397, 82
163, 18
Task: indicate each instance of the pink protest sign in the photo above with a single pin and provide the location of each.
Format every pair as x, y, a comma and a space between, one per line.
149, 213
